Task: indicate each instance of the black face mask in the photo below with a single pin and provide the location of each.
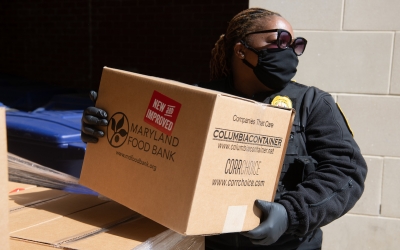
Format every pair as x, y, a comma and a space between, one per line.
275, 67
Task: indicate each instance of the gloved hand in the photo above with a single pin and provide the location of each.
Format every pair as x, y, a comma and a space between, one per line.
274, 223
92, 117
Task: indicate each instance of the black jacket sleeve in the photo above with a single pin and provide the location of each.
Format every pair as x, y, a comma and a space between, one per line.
338, 181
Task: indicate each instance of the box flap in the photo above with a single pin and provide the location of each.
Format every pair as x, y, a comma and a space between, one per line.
77, 225
123, 236
164, 80
93, 226
31, 196
48, 210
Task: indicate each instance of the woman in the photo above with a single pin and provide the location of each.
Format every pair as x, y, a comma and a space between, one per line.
323, 173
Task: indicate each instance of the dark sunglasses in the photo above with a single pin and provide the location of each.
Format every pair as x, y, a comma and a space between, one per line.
284, 40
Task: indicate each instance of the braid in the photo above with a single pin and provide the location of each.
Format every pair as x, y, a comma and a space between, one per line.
241, 24
218, 63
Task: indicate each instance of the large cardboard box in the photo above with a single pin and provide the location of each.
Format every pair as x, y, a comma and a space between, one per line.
3, 182
85, 222
191, 159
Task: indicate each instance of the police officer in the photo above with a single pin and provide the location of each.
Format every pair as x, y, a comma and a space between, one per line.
323, 173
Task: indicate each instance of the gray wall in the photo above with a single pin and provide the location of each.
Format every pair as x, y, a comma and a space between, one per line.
353, 52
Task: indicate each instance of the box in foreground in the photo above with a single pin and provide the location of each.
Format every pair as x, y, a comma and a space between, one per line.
42, 218
191, 159
3, 179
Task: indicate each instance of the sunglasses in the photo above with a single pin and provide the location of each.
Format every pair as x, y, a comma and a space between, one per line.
284, 40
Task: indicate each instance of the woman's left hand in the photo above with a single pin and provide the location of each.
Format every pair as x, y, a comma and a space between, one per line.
274, 223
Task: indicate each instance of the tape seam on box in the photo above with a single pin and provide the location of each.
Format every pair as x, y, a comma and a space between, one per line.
234, 219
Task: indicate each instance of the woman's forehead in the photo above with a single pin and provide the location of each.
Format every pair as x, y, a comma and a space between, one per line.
273, 22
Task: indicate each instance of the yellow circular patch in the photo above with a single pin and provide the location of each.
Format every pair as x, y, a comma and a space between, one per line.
282, 101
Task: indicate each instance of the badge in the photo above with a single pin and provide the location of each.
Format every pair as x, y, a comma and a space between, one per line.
345, 119
282, 101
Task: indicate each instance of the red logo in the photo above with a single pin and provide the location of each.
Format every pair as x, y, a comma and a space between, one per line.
162, 112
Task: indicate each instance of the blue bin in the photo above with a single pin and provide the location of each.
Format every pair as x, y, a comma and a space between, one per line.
49, 137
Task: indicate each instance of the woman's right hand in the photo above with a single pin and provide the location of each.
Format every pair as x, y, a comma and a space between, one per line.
92, 118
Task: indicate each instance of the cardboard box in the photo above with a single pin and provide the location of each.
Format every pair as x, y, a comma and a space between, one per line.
3, 181
191, 159
85, 222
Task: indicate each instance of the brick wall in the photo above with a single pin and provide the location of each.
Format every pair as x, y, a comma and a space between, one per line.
353, 52
66, 43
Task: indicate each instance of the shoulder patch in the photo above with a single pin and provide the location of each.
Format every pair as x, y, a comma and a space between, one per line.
345, 119
282, 101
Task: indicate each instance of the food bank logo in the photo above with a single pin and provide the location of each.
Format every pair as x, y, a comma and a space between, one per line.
117, 129
162, 112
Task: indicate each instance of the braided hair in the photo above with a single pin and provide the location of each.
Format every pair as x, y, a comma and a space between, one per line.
241, 24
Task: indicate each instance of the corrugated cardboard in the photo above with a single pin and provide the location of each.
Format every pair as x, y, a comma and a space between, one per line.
3, 182
78, 221
191, 159
23, 245
68, 228
141, 229
49, 210
30, 196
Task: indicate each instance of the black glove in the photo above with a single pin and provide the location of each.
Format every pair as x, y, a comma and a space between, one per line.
274, 223
91, 118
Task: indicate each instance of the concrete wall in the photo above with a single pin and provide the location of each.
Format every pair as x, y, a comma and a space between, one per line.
353, 52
